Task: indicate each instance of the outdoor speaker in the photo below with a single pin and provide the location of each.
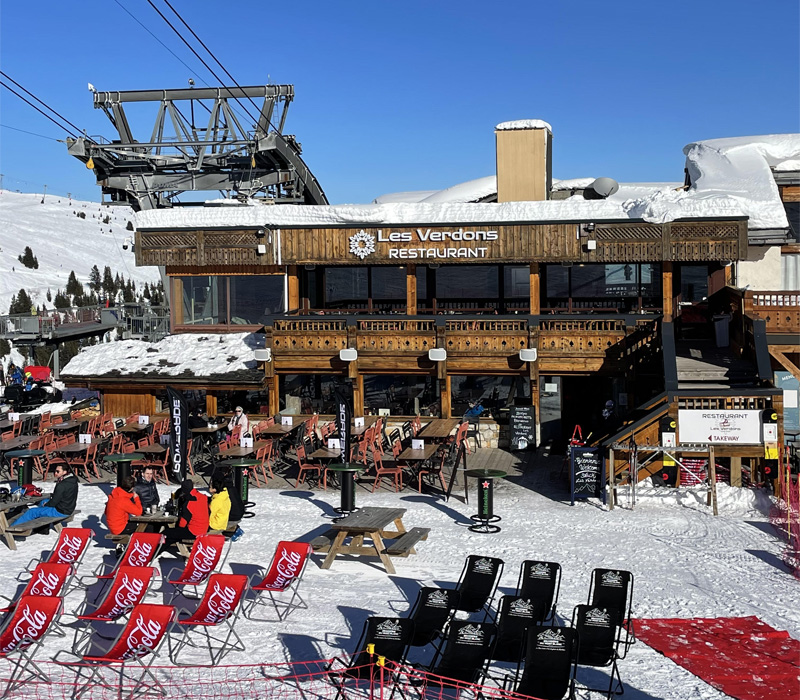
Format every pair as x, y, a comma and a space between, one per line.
348, 354
437, 354
263, 354
528, 354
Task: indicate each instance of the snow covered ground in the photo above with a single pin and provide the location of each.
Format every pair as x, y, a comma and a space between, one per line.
687, 563
62, 242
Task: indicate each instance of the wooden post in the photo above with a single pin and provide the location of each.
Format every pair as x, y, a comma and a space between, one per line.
211, 404
274, 394
736, 471
358, 390
411, 290
612, 473
667, 301
444, 393
176, 305
293, 284
712, 479
536, 304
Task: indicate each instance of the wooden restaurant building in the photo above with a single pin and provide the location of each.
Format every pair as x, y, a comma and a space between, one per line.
520, 291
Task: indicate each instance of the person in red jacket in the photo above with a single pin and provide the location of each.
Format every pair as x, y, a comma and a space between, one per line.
192, 513
122, 503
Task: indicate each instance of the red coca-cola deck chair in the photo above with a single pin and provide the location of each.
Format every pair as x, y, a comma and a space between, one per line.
128, 589
280, 586
47, 580
212, 626
72, 544
208, 554
138, 643
22, 635
141, 551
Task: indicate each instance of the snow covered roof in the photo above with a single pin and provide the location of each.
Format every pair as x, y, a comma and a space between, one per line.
524, 124
730, 178
219, 356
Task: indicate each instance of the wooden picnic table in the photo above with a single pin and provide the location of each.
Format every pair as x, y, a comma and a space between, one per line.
367, 523
159, 517
439, 428
278, 430
325, 453
369, 421
7, 423
17, 442
23, 503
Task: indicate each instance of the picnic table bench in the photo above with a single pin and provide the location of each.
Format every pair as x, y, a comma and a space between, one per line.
28, 528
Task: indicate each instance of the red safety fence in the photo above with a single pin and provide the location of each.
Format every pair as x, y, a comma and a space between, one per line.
785, 517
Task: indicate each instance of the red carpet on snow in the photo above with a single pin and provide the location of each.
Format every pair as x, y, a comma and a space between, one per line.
741, 656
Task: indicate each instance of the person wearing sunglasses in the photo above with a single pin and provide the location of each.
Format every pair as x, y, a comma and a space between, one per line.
61, 503
239, 418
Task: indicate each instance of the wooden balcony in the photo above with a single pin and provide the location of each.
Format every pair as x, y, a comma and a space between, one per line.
780, 310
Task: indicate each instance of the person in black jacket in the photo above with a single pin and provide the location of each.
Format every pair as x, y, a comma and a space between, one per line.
146, 488
61, 503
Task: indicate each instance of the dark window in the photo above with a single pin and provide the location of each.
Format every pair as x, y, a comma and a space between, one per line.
401, 395
253, 298
204, 301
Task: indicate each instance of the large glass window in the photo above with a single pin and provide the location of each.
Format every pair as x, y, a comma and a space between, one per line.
236, 300
493, 393
254, 298
624, 287
308, 393
203, 304
401, 395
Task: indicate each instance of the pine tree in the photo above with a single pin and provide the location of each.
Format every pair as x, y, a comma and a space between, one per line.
21, 304
129, 227
94, 279
146, 292
61, 300
28, 259
108, 282
74, 288
127, 293
49, 296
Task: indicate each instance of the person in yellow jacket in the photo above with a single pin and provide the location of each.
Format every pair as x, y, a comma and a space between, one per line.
220, 505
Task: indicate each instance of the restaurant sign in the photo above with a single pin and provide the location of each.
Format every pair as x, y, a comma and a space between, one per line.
719, 427
415, 244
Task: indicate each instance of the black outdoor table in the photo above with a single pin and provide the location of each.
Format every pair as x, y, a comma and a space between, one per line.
66, 426
123, 464
485, 518
348, 471
25, 472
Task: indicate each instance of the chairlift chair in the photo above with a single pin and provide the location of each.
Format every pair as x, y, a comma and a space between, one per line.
478, 582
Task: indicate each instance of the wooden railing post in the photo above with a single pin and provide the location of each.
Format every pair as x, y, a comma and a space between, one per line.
411, 290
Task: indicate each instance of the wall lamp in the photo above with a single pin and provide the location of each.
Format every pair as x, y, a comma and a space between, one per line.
348, 354
437, 354
528, 354
263, 354
588, 228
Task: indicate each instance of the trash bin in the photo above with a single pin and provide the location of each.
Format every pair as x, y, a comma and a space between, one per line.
722, 333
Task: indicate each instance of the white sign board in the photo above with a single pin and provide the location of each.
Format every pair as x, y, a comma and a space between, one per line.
334, 444
144, 420
246, 442
417, 444
13, 417
165, 439
358, 422
719, 427
286, 420
770, 432
84, 439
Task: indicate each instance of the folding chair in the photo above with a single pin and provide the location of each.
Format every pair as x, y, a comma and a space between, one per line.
478, 582
141, 551
22, 635
613, 588
541, 581
141, 637
205, 558
72, 545
431, 612
600, 638
127, 590
46, 580
549, 668
464, 656
219, 608
283, 578
514, 617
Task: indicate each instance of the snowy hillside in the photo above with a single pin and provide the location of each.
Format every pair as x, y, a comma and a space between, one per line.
61, 241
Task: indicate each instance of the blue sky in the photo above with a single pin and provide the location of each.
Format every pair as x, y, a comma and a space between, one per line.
394, 96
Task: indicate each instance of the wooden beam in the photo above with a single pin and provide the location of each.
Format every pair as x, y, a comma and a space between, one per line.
536, 304
444, 397
785, 362
411, 290
274, 395
293, 284
667, 301
358, 393
176, 299
736, 471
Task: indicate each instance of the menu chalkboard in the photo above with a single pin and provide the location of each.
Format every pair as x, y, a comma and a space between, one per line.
522, 427
588, 477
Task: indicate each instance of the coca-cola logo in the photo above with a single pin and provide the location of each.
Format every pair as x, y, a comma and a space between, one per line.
69, 550
143, 638
287, 568
205, 558
220, 603
46, 583
127, 595
28, 629
139, 554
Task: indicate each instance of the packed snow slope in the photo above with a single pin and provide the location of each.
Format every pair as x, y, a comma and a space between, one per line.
61, 241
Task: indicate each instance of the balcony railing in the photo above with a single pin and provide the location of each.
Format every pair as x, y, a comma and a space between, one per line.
780, 310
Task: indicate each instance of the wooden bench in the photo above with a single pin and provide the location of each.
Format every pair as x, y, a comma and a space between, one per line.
404, 545
323, 541
185, 546
28, 528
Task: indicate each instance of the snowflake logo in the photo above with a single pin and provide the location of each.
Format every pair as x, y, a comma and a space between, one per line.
362, 244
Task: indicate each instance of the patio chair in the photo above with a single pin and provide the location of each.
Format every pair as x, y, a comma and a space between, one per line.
21, 637
141, 551
434, 467
214, 621
514, 616
474, 432
72, 544
137, 645
393, 470
549, 668
478, 582
265, 455
464, 657
127, 590
305, 466
389, 637
280, 586
540, 581
431, 612
46, 580
613, 588
205, 558
600, 638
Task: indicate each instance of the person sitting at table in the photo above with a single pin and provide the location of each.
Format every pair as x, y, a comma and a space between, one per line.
146, 488
220, 505
192, 514
61, 503
121, 505
196, 419
239, 418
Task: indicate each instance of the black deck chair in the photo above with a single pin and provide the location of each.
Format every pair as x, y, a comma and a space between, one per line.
465, 654
478, 582
540, 581
549, 669
600, 639
391, 637
431, 612
515, 616
613, 588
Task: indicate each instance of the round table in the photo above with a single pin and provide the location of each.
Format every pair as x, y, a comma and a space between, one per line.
485, 517
25, 472
123, 463
348, 471
241, 476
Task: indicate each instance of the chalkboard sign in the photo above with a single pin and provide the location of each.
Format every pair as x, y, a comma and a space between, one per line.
588, 477
522, 427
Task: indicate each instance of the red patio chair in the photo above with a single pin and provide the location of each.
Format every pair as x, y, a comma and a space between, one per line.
22, 635
282, 579
266, 455
305, 466
72, 544
46, 580
141, 551
218, 610
394, 471
205, 558
141, 638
